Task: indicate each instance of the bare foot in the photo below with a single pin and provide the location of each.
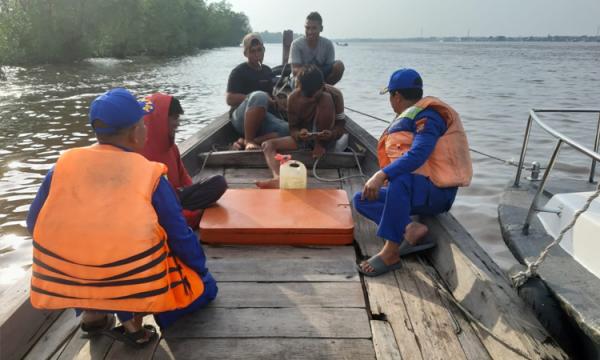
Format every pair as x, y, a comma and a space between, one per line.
318, 150
389, 254
268, 184
239, 144
250, 145
414, 232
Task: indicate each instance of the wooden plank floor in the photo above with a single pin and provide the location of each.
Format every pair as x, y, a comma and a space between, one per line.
299, 303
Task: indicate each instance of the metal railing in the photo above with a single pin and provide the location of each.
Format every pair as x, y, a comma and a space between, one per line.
561, 138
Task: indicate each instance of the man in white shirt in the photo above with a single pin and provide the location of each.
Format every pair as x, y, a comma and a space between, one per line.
317, 50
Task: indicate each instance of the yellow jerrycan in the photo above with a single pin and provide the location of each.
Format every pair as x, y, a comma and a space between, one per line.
292, 173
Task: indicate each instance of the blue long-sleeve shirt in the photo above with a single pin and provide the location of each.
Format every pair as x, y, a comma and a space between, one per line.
182, 241
427, 128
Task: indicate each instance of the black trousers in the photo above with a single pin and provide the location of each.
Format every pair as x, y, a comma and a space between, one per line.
203, 193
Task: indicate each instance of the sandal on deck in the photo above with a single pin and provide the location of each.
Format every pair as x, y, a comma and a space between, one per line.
97, 327
380, 267
238, 145
146, 335
406, 248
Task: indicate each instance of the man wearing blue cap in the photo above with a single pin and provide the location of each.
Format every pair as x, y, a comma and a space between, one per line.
424, 157
108, 234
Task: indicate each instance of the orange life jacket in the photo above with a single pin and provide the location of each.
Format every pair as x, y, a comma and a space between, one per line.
97, 243
449, 164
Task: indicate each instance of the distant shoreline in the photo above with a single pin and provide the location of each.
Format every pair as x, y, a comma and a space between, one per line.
275, 37
549, 38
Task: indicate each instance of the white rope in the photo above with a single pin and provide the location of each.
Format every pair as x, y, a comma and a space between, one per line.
277, 91
521, 277
507, 162
208, 154
361, 175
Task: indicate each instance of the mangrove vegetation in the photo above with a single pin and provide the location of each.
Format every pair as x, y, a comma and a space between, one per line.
52, 31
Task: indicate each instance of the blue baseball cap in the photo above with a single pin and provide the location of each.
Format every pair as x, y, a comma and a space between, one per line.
118, 109
403, 79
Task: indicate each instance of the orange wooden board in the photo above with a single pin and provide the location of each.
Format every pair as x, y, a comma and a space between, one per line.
276, 217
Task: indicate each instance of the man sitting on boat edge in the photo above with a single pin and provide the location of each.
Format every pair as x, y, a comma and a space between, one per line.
249, 91
109, 236
424, 157
316, 120
314, 49
160, 146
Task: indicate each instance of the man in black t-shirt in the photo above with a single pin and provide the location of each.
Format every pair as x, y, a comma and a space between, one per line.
249, 91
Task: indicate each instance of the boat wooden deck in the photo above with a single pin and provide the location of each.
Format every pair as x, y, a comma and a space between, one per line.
309, 303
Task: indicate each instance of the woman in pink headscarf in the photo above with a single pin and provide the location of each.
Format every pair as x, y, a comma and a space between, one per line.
160, 146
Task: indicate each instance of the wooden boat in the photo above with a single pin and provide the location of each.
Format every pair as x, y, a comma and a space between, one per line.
281, 302
532, 212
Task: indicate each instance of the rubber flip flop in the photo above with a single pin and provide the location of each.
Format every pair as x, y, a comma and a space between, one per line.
94, 328
134, 339
424, 244
379, 266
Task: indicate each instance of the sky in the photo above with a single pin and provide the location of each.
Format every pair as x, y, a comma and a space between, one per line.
401, 18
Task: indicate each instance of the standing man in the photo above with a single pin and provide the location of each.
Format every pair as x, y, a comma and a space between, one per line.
317, 50
249, 94
424, 157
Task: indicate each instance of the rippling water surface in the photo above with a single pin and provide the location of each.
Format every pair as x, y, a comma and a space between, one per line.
492, 85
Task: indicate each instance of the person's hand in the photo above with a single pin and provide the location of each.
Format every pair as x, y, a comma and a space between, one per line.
372, 186
325, 135
304, 135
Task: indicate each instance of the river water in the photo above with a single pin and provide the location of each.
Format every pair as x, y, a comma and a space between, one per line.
43, 111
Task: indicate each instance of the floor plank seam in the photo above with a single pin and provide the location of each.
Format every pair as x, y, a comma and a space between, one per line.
287, 282
287, 307
262, 337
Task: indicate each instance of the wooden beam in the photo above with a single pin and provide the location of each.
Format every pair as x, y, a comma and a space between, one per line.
384, 341
20, 324
479, 285
273, 322
272, 263
256, 159
218, 132
240, 178
432, 323
290, 294
264, 348
80, 347
386, 301
56, 336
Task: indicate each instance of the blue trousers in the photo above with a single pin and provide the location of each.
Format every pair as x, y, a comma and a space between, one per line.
405, 195
165, 319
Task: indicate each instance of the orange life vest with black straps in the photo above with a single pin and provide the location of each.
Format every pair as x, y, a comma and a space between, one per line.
449, 164
97, 242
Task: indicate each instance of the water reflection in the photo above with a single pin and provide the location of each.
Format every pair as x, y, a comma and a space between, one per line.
43, 112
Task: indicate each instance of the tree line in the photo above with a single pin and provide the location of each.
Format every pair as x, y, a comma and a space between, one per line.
52, 31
